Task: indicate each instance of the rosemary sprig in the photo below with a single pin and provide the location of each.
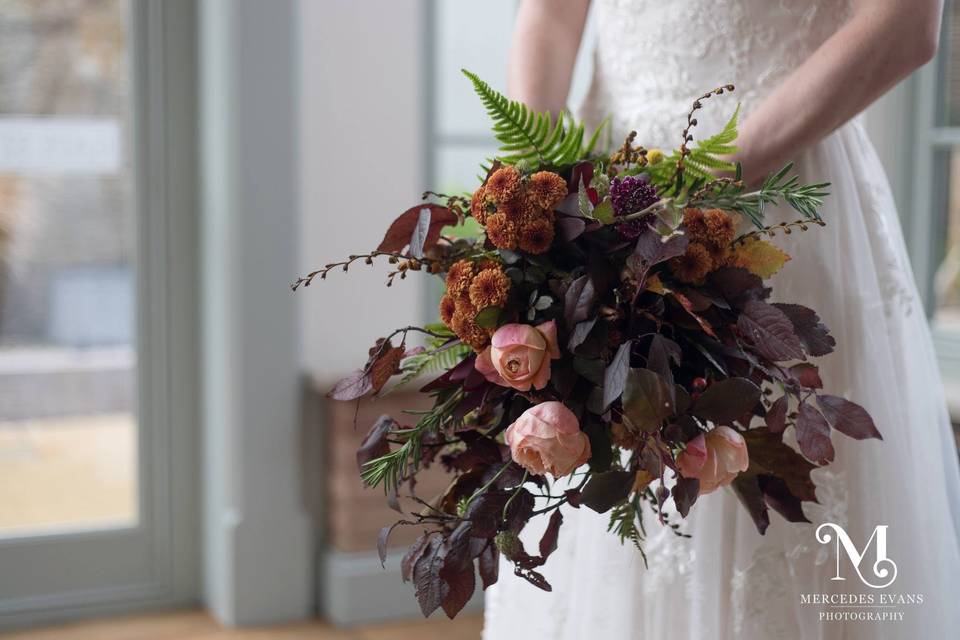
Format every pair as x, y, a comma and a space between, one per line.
779, 187
392, 468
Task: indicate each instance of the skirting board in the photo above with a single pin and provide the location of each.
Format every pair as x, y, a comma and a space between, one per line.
355, 589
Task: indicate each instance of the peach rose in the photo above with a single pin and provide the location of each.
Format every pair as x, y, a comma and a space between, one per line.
715, 458
519, 355
547, 438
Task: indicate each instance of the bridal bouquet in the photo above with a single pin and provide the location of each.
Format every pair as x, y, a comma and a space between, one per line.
606, 341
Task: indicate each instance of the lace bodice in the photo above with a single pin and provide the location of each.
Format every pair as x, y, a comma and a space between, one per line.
653, 57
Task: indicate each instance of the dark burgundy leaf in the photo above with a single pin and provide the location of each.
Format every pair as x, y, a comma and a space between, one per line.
569, 228
518, 513
590, 368
848, 418
770, 331
484, 513
777, 415
460, 586
375, 443
382, 540
770, 455
685, 493
354, 386
578, 300
604, 490
548, 543
534, 578
412, 555
431, 588
748, 490
808, 375
814, 335
463, 369
386, 365
582, 172
393, 499
573, 497
489, 565
402, 229
459, 551
684, 303
601, 451
646, 400
813, 434
777, 495
652, 250
725, 401
738, 286
662, 351
615, 375
580, 333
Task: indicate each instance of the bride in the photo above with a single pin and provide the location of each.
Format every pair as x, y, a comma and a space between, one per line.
803, 71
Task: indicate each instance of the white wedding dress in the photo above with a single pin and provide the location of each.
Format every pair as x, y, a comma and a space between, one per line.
727, 581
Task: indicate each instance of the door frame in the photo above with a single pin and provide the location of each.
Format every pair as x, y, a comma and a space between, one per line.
163, 68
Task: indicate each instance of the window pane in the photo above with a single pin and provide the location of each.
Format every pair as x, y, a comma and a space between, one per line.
949, 62
67, 267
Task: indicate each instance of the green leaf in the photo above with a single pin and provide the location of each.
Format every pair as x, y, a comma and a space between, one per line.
702, 160
488, 317
528, 136
604, 212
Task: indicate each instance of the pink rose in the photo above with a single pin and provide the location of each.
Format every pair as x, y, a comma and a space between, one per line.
715, 458
519, 355
547, 438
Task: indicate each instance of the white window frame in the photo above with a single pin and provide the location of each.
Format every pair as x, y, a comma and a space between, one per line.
163, 55
928, 193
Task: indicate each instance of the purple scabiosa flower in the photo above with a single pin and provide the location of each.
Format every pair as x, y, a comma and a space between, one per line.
629, 195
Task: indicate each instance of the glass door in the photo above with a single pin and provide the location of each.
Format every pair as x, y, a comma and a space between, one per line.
85, 515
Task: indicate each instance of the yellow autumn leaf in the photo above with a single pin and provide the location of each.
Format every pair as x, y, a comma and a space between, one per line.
759, 257
655, 285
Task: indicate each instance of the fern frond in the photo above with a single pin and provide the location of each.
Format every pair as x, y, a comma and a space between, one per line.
704, 159
526, 135
433, 360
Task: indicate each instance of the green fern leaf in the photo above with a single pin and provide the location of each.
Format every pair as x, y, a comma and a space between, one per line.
431, 361
527, 136
704, 159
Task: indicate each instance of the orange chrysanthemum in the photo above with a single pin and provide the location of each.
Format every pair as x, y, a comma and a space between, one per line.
503, 184
502, 232
469, 331
536, 235
490, 288
459, 277
463, 307
479, 205
448, 306
694, 265
546, 189
721, 228
695, 225
516, 210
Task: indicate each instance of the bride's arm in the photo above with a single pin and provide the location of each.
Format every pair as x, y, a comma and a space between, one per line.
883, 41
544, 49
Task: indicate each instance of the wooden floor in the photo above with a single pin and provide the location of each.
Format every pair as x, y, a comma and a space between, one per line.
196, 625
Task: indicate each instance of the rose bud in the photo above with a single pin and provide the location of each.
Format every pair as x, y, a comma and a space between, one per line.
715, 458
519, 355
546, 438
